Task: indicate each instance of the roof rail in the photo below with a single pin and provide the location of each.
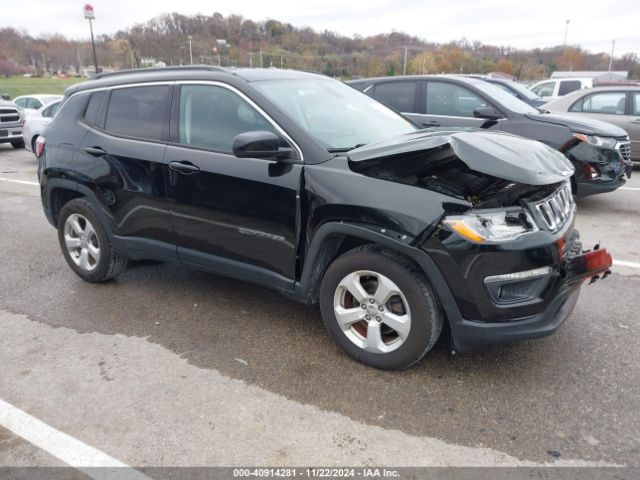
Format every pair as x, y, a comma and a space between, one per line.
160, 69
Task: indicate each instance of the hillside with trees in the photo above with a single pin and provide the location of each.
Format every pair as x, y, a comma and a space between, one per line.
237, 41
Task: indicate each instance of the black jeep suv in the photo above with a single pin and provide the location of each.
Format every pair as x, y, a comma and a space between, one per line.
302, 184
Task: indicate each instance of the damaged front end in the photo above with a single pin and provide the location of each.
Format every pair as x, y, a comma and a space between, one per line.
507, 246
601, 163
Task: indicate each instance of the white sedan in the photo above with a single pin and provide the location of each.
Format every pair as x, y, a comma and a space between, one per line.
37, 122
31, 103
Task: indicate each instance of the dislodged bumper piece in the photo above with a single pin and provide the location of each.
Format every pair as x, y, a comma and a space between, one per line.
470, 335
589, 265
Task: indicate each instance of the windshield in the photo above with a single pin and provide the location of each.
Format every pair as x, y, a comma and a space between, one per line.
513, 87
505, 99
335, 114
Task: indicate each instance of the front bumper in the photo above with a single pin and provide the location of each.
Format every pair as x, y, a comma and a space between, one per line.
10, 134
469, 335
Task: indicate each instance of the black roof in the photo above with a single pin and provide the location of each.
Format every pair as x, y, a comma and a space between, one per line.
460, 79
195, 72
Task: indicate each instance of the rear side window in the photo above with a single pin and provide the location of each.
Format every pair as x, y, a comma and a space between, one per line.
544, 89
398, 95
636, 104
137, 112
93, 108
568, 86
51, 110
610, 102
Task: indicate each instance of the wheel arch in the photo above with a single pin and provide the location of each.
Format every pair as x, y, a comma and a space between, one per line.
334, 238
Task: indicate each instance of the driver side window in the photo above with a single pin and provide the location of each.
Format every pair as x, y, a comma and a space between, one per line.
212, 116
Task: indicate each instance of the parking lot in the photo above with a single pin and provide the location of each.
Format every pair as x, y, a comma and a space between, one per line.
170, 366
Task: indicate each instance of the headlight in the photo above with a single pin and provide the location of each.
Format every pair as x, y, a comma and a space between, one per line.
492, 226
605, 142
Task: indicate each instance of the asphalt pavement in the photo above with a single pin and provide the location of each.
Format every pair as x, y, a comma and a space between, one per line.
171, 366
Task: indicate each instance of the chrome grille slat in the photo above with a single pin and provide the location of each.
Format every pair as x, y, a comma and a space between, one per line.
9, 115
557, 209
625, 151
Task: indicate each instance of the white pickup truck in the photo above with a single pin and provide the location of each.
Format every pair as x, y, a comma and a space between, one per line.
11, 121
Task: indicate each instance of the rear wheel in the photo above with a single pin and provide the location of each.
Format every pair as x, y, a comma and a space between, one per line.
85, 244
379, 308
18, 144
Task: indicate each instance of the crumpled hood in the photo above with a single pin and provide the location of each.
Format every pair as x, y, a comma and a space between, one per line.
497, 154
582, 124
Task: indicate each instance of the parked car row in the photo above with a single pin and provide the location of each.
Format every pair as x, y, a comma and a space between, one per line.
302, 184
600, 152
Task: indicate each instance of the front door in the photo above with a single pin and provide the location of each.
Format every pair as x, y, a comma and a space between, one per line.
634, 127
452, 105
229, 213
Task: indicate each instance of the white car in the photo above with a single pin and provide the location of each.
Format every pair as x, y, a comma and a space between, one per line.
557, 87
31, 103
37, 122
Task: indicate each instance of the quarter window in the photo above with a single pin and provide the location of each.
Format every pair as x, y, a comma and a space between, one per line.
212, 116
93, 107
137, 112
34, 103
612, 103
452, 100
397, 95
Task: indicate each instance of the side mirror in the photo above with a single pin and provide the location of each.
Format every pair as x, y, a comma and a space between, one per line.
259, 144
5, 96
489, 113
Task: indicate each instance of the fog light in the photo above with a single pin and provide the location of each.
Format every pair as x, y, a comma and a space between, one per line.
517, 287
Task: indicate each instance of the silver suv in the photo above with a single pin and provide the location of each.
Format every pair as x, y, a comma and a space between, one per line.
11, 121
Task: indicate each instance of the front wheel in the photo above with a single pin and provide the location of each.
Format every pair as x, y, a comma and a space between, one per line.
379, 308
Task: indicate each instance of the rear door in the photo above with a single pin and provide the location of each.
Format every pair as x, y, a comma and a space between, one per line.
232, 214
122, 162
448, 104
400, 95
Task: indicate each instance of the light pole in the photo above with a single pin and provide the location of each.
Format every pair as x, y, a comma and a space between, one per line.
190, 51
566, 30
90, 15
613, 45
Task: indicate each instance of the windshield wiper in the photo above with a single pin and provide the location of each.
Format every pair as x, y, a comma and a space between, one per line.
345, 149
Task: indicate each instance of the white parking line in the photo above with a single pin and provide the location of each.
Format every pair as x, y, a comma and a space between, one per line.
630, 188
624, 263
65, 447
22, 182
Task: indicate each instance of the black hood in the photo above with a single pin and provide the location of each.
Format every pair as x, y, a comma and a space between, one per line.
498, 154
584, 125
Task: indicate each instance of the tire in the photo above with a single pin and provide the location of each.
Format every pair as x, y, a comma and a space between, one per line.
418, 316
18, 144
86, 246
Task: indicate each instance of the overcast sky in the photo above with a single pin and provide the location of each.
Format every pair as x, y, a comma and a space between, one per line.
539, 23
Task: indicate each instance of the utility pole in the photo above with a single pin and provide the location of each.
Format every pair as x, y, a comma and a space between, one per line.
281, 62
89, 14
404, 66
190, 51
260, 58
613, 45
250, 59
566, 30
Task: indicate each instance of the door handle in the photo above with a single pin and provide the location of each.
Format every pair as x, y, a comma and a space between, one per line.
95, 151
430, 123
184, 167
